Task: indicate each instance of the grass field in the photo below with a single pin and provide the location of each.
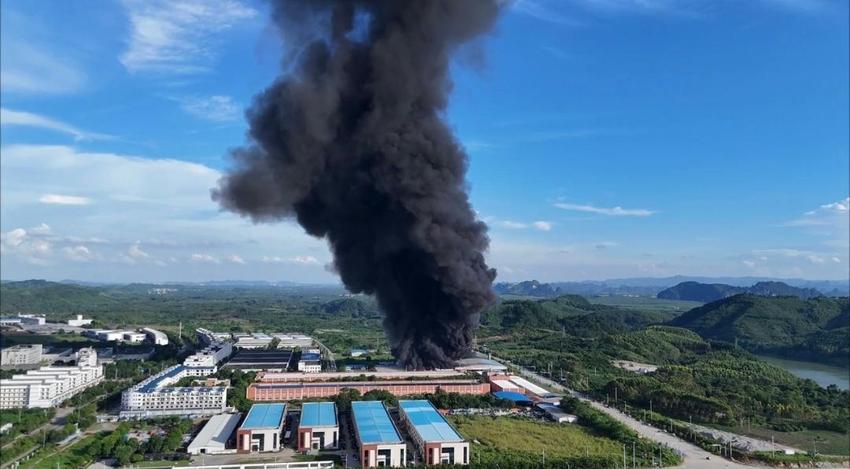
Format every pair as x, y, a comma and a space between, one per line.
645, 303
497, 439
825, 442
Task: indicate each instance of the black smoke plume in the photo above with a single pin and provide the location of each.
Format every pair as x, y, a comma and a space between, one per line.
351, 141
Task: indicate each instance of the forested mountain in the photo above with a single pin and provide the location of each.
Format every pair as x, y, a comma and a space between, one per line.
708, 292
816, 329
569, 313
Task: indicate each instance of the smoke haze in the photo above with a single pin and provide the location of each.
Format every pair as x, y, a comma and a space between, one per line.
350, 141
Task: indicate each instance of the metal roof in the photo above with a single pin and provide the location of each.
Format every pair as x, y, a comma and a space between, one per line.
373, 423
216, 432
155, 383
428, 423
318, 414
264, 416
512, 396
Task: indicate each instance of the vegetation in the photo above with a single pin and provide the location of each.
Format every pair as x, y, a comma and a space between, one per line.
816, 329
526, 443
708, 292
23, 421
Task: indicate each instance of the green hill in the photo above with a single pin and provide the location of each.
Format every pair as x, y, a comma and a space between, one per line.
708, 292
814, 329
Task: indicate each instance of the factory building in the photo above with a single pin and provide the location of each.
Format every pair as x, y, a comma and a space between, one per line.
21, 355
293, 340
153, 398
32, 319
310, 362
49, 386
384, 374
133, 337
255, 340
156, 337
214, 437
79, 321
318, 428
210, 356
261, 431
306, 390
259, 360
436, 440
377, 438
511, 383
556, 414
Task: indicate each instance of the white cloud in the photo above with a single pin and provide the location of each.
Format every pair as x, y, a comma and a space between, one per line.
205, 258
59, 199
78, 253
28, 119
827, 214
214, 108
514, 225
135, 251
612, 211
543, 10
748, 263
543, 225
300, 260
178, 36
29, 69
233, 258
20, 243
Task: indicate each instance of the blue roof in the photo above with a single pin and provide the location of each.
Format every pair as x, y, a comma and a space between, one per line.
264, 416
154, 384
311, 357
373, 423
429, 424
512, 396
318, 414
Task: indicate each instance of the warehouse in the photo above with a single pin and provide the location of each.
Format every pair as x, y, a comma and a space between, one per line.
259, 360
213, 438
262, 429
306, 390
310, 362
319, 428
377, 437
436, 440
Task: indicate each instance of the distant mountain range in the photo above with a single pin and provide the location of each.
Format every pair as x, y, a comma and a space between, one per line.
708, 292
813, 329
653, 286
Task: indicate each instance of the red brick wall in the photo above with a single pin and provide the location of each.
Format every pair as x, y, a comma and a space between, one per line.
270, 392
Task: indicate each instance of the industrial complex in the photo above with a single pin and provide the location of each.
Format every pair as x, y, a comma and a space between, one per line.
49, 386
312, 390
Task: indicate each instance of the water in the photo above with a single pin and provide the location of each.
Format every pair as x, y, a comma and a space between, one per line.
824, 375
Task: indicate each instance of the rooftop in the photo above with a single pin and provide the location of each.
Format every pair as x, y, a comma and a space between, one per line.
429, 424
318, 414
512, 396
263, 416
373, 423
217, 430
155, 383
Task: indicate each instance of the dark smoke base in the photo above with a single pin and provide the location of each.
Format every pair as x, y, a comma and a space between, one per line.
351, 142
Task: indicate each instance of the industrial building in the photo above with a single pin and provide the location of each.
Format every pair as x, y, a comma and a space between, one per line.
377, 437
214, 437
293, 340
153, 398
210, 356
436, 440
258, 360
49, 386
156, 337
511, 383
310, 362
318, 428
307, 390
79, 321
255, 340
21, 355
379, 375
261, 431
32, 319
556, 414
133, 337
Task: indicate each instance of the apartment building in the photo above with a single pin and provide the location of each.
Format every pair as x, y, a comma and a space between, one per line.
49, 386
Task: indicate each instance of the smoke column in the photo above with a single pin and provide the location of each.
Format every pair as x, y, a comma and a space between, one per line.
351, 142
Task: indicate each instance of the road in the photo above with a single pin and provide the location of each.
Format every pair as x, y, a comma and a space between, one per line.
56, 423
694, 456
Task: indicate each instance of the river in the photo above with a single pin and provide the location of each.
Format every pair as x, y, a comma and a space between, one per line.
824, 375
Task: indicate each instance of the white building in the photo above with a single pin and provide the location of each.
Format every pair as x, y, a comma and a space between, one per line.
32, 319
255, 340
21, 355
49, 386
556, 414
213, 438
210, 356
155, 336
79, 321
133, 337
435, 439
153, 398
262, 428
292, 340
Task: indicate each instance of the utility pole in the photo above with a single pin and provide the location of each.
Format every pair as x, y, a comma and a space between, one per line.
634, 459
624, 456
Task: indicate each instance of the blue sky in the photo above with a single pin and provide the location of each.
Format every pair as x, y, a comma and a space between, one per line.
607, 138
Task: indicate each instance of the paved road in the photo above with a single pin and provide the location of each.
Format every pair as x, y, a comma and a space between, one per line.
694, 456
